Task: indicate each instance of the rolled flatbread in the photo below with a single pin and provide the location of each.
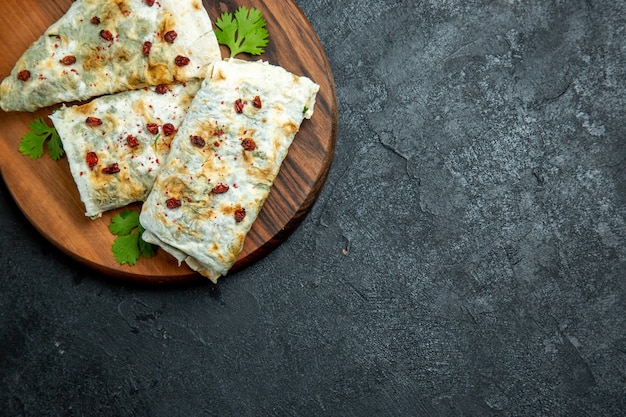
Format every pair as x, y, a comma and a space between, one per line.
223, 162
104, 46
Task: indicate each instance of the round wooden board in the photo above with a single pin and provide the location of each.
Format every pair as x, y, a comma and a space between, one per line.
45, 191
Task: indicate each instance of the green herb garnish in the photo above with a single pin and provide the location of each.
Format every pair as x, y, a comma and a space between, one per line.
156, 139
129, 246
243, 32
32, 143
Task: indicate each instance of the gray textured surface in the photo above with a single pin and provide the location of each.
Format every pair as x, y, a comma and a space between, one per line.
467, 256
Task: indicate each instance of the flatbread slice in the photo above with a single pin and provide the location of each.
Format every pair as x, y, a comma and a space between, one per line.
106, 46
223, 162
115, 144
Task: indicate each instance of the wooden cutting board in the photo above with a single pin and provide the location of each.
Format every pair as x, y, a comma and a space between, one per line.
45, 191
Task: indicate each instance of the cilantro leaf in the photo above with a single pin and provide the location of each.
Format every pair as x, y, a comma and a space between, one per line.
148, 250
126, 249
124, 223
55, 146
226, 29
243, 32
32, 143
129, 246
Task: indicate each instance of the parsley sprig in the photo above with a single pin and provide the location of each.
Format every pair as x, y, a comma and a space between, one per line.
129, 246
32, 143
243, 32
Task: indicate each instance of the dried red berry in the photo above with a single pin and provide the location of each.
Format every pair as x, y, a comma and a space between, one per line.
162, 89
257, 102
239, 104
93, 121
95, 20
173, 203
240, 214
132, 141
248, 144
68, 60
181, 61
220, 188
152, 128
147, 46
170, 36
168, 129
197, 141
111, 169
91, 159
106, 35
23, 75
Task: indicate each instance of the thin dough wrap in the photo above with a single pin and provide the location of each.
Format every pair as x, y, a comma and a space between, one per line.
223, 162
130, 132
103, 46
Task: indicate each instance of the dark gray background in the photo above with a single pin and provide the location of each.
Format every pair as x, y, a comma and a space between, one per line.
467, 256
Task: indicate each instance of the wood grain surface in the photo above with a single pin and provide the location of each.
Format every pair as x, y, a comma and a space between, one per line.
45, 191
